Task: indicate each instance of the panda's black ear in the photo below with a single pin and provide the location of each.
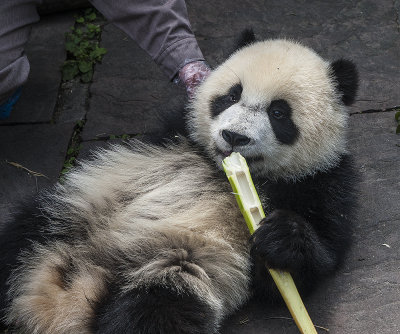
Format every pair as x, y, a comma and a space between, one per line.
246, 38
346, 75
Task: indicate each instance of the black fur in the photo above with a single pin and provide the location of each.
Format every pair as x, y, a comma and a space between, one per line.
346, 75
17, 235
171, 121
279, 113
310, 227
156, 310
246, 38
221, 103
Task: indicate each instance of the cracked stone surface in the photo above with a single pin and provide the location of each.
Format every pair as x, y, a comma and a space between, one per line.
74, 100
46, 54
40, 148
130, 95
366, 32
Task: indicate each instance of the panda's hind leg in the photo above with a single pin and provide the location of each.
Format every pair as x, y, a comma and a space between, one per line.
156, 309
174, 282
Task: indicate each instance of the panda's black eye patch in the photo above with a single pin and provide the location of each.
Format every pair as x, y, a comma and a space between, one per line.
223, 102
280, 112
279, 109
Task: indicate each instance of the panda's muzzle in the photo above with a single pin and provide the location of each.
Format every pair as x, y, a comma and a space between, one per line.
235, 139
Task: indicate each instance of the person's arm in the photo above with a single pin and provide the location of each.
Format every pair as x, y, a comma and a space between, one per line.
163, 30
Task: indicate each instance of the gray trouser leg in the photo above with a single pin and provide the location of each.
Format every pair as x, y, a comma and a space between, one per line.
16, 18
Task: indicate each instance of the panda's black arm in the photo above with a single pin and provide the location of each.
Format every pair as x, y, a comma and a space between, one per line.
310, 227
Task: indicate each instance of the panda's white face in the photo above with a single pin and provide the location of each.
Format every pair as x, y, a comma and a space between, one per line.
277, 104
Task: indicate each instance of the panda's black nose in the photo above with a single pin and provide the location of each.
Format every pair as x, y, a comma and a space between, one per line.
235, 139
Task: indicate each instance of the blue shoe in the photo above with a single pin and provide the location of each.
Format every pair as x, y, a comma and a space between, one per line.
6, 107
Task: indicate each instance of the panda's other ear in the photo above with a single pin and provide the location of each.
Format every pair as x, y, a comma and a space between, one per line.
247, 37
346, 75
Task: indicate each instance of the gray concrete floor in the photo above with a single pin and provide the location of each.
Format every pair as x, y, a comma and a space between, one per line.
128, 92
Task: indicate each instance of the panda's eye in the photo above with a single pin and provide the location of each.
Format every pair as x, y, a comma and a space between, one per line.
277, 114
220, 103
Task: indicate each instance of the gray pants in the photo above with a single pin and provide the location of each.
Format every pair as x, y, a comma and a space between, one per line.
160, 27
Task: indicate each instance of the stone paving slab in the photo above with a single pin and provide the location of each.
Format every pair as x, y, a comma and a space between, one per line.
377, 149
40, 148
74, 100
125, 106
46, 54
129, 93
365, 31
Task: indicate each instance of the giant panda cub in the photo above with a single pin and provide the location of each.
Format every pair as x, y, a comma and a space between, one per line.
148, 239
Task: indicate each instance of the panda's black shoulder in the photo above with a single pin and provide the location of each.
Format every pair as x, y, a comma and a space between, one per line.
323, 192
171, 123
25, 225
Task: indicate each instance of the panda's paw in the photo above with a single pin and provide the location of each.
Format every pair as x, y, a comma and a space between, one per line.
281, 241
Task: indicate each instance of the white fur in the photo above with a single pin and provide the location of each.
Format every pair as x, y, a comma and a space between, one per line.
273, 70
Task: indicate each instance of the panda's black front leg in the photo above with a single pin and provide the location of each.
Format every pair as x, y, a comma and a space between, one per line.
286, 241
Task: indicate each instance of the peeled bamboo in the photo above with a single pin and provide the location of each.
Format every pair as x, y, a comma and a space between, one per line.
238, 174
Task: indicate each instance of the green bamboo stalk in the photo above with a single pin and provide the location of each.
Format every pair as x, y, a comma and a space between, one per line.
238, 174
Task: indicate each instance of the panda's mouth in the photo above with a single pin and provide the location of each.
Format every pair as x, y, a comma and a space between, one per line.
250, 159
224, 153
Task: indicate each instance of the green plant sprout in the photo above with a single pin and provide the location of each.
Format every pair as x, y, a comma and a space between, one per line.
82, 46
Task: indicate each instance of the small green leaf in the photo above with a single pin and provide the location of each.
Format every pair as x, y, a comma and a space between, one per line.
84, 44
70, 46
91, 17
88, 11
101, 51
125, 136
80, 20
98, 53
80, 123
64, 171
398, 129
76, 39
113, 136
93, 28
69, 70
87, 77
85, 66
397, 116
